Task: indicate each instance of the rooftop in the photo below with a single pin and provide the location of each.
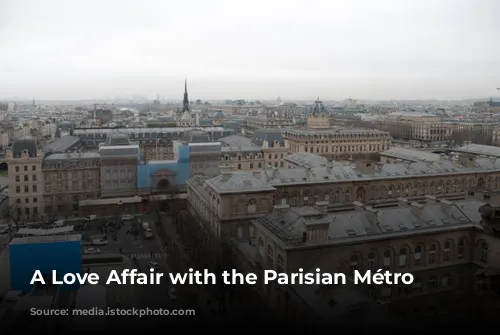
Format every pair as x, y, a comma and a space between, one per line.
359, 226
73, 155
306, 159
339, 173
236, 141
479, 149
411, 154
159, 130
61, 144
45, 239
337, 131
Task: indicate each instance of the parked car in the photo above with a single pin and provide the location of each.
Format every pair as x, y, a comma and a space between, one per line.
92, 251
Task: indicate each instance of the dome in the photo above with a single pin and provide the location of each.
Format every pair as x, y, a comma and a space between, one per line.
318, 108
118, 139
219, 115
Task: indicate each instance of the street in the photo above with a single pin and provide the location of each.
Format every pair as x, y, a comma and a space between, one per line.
142, 251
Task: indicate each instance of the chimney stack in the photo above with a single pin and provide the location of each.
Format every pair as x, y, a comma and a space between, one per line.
322, 206
358, 206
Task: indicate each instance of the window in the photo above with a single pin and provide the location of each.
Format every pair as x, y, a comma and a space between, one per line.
447, 280
432, 283
18, 178
387, 260
484, 252
33, 168
34, 188
240, 232
27, 200
25, 168
446, 251
432, 254
371, 261
281, 264
33, 177
35, 200
402, 258
17, 168
418, 255
461, 247
26, 177
26, 189
18, 189
251, 165
239, 166
354, 264
417, 286
270, 256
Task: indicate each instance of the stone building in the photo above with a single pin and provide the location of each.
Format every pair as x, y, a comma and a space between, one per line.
266, 148
442, 243
319, 117
338, 143
234, 197
416, 126
69, 178
119, 159
24, 161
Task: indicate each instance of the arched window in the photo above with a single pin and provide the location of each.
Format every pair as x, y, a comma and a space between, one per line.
261, 247
387, 259
354, 263
446, 251
371, 261
402, 258
270, 256
281, 264
432, 254
484, 252
461, 248
417, 257
447, 280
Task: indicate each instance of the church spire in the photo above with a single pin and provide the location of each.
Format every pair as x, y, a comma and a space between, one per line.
185, 102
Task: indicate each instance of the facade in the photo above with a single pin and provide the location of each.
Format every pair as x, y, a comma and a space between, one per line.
147, 137
230, 200
266, 148
318, 117
416, 126
119, 160
442, 243
25, 180
338, 143
69, 178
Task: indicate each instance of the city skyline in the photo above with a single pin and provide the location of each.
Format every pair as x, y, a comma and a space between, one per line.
296, 50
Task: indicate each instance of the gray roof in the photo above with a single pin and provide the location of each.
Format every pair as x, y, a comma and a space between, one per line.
239, 181
339, 173
370, 224
306, 159
122, 150
195, 136
479, 149
269, 135
118, 139
61, 144
24, 143
339, 131
411, 154
236, 141
73, 155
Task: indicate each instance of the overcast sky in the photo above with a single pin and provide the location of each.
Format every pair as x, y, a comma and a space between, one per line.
258, 49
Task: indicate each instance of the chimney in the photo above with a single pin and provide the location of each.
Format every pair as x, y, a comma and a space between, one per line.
431, 198
358, 206
322, 206
276, 173
446, 202
371, 209
416, 205
402, 202
281, 209
365, 167
329, 167
225, 173
467, 161
256, 174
